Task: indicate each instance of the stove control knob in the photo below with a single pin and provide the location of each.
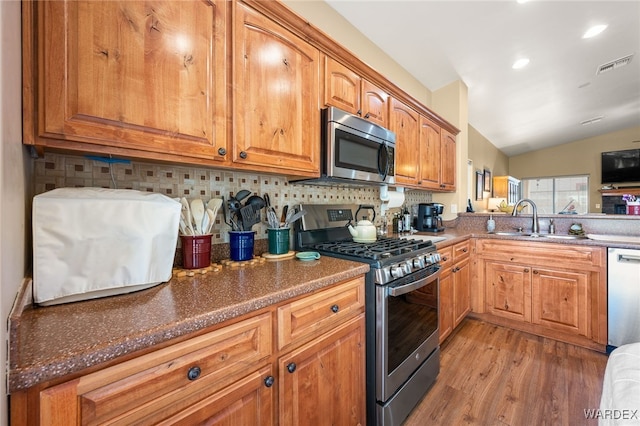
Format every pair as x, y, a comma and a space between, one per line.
419, 262
396, 271
406, 266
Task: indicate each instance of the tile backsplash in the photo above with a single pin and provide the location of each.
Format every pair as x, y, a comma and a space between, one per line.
55, 170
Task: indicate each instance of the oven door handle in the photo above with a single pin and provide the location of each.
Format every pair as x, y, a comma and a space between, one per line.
407, 288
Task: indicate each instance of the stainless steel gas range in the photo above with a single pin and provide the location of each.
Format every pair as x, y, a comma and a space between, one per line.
401, 310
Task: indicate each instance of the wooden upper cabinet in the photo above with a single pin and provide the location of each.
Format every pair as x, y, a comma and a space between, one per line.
448, 161
430, 155
425, 152
346, 90
342, 87
405, 123
375, 104
145, 76
276, 117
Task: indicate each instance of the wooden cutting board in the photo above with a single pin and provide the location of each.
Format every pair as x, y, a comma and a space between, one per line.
275, 257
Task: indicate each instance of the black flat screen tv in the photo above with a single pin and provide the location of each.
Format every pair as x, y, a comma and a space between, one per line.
621, 166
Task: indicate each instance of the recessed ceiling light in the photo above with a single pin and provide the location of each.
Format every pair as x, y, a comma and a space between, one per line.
520, 63
522, 1
594, 31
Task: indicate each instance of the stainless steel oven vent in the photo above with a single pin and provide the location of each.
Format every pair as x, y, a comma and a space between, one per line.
610, 66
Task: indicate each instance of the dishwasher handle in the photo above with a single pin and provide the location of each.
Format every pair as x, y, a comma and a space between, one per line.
628, 258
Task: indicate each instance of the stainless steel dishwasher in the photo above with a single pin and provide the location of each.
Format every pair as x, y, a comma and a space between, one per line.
623, 297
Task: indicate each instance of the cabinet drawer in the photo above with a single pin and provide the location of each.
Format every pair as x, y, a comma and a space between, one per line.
541, 253
461, 250
157, 385
319, 312
446, 259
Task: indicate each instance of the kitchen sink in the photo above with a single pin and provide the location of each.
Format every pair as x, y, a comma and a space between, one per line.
619, 238
514, 234
564, 237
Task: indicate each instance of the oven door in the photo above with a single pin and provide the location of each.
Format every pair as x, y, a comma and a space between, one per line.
406, 329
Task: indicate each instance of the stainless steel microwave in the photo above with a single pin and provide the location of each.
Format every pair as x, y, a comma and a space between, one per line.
354, 151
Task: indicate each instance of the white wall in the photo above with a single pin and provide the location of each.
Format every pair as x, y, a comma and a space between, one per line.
15, 172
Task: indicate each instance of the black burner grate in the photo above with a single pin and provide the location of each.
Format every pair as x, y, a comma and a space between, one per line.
383, 248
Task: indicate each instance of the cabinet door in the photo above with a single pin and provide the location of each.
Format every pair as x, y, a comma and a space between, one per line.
445, 324
323, 381
147, 77
375, 104
561, 300
461, 291
405, 122
341, 87
448, 161
508, 290
276, 102
249, 401
429, 154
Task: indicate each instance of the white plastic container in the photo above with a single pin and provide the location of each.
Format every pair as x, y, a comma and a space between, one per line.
96, 242
491, 224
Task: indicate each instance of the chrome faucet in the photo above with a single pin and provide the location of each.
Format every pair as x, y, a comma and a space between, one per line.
535, 227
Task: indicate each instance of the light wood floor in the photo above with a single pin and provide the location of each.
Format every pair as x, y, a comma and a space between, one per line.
491, 375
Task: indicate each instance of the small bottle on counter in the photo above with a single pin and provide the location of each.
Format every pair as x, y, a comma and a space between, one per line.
394, 224
406, 226
383, 227
491, 224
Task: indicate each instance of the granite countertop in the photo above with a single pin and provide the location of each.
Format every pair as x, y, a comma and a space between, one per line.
50, 342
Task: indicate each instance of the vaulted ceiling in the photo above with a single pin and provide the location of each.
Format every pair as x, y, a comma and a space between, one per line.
558, 97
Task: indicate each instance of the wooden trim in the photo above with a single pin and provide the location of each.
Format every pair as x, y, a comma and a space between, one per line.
633, 190
541, 331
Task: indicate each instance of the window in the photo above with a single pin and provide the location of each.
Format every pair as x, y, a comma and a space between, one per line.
569, 194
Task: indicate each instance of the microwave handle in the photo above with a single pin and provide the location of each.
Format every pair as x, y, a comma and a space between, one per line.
382, 150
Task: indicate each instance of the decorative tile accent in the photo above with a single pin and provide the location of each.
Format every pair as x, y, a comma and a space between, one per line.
59, 170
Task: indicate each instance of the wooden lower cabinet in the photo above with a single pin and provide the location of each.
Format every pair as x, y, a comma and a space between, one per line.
455, 287
313, 389
249, 401
229, 376
560, 300
461, 291
552, 298
183, 381
508, 290
554, 290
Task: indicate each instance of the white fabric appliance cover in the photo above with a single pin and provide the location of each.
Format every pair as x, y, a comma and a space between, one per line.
95, 242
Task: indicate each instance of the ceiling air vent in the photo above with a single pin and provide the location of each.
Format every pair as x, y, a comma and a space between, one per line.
614, 64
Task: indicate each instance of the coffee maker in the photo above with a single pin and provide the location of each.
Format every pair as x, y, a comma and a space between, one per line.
429, 219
